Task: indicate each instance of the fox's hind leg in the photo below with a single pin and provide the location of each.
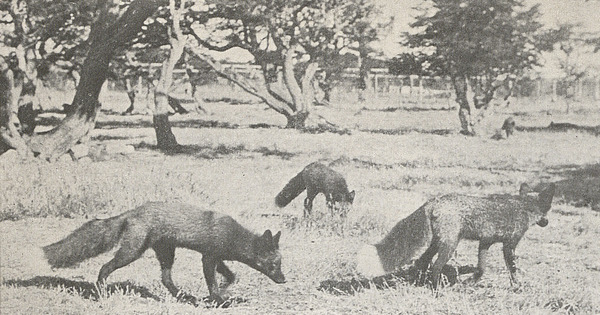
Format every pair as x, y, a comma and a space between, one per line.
229, 276
446, 248
423, 262
166, 256
508, 250
209, 264
133, 245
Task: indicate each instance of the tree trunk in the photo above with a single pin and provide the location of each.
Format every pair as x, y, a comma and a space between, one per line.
297, 110
464, 109
364, 66
165, 139
10, 89
112, 29
131, 95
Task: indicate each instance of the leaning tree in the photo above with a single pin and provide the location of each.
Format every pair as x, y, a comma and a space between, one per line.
114, 25
289, 39
478, 44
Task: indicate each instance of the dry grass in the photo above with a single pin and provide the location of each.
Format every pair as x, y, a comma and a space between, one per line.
238, 170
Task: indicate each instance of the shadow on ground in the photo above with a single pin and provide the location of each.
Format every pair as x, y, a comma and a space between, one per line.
580, 186
190, 123
90, 291
406, 276
562, 127
408, 109
209, 152
84, 289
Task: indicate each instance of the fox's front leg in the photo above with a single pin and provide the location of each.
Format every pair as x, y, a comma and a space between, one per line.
330, 202
308, 201
509, 258
228, 274
481, 259
209, 264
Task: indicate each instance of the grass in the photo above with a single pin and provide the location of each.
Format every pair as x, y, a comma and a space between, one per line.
394, 159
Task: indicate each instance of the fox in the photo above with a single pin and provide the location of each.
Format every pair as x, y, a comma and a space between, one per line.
509, 126
165, 226
317, 178
442, 222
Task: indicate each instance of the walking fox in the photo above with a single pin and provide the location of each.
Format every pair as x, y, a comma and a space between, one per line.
317, 178
163, 227
442, 222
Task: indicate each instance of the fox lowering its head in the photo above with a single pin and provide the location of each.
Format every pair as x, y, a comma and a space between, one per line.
164, 226
441, 222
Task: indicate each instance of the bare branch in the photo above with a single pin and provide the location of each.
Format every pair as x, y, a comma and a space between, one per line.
241, 82
206, 44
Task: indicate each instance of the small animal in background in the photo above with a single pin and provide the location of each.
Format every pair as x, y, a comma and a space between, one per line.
442, 222
509, 126
317, 178
164, 226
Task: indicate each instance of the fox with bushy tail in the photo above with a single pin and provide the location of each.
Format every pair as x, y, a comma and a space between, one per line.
163, 227
442, 222
317, 178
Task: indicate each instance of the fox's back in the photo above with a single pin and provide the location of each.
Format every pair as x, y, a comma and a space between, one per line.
323, 178
185, 226
494, 218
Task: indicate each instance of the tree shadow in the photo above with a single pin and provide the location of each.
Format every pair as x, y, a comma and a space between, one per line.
562, 127
581, 186
408, 109
188, 123
411, 275
404, 131
216, 152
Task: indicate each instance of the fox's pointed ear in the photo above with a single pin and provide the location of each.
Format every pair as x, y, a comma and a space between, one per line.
524, 190
276, 239
352, 194
267, 235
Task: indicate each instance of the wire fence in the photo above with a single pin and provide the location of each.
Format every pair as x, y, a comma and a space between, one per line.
383, 89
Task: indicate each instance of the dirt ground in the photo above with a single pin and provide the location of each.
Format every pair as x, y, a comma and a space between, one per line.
395, 160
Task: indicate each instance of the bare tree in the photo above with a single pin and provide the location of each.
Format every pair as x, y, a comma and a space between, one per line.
289, 39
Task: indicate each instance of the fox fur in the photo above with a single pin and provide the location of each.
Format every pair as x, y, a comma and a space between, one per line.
317, 178
164, 226
442, 222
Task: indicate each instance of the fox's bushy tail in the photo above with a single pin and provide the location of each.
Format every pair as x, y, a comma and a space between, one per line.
291, 190
90, 240
399, 246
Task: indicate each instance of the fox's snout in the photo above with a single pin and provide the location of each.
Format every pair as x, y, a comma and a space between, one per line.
278, 277
542, 222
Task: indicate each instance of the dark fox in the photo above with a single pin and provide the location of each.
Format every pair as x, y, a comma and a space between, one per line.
442, 222
163, 227
317, 178
509, 126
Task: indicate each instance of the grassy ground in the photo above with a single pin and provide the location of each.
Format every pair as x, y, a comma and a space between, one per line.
394, 158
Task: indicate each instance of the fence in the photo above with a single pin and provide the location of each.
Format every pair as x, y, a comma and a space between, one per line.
384, 88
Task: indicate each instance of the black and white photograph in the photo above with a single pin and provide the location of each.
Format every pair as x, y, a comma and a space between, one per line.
300, 157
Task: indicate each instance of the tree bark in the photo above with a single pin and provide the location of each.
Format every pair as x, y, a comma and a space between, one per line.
10, 90
464, 109
165, 139
295, 106
112, 29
